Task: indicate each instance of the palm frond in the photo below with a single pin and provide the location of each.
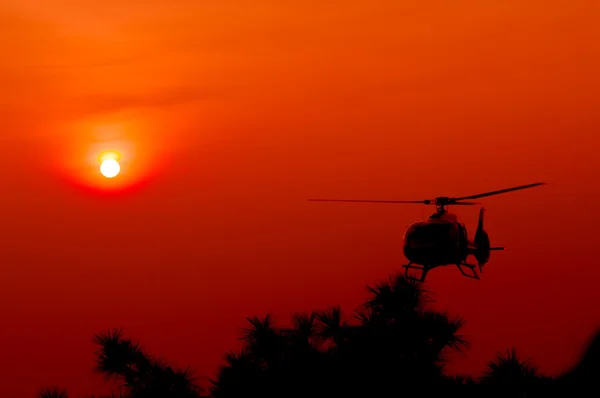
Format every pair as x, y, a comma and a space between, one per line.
509, 369
53, 392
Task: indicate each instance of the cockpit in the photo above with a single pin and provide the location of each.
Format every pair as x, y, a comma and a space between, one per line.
421, 234
434, 242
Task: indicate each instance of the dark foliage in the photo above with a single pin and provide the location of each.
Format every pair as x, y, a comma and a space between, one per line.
394, 345
53, 392
142, 376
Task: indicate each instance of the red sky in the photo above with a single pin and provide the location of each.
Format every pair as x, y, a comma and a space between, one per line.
229, 116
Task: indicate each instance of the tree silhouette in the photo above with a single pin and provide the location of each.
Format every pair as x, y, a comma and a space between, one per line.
394, 344
585, 375
511, 376
332, 328
142, 376
304, 334
394, 341
510, 370
53, 392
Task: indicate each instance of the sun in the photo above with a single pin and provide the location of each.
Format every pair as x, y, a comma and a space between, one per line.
110, 168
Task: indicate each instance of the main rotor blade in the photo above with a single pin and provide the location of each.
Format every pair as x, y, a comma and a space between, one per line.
371, 201
481, 195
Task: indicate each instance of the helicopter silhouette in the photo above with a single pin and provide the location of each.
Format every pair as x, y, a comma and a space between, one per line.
442, 240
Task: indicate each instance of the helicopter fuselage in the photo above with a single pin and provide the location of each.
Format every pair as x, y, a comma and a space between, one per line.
441, 240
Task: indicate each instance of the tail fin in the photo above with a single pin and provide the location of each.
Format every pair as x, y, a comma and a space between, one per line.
482, 243
480, 246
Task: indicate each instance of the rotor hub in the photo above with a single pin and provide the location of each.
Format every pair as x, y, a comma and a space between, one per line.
441, 202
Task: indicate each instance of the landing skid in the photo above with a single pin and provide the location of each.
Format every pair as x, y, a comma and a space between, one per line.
473, 274
423, 268
426, 268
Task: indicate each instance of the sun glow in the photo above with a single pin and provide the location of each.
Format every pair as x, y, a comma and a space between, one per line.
110, 168
110, 157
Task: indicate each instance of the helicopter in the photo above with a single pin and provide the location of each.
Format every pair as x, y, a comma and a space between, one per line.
442, 240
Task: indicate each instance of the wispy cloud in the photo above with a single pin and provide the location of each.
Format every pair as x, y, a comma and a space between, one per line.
120, 102
100, 63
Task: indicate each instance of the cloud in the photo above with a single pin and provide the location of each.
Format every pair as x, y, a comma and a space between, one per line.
120, 102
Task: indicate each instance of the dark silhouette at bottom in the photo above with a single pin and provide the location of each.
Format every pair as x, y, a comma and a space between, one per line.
394, 345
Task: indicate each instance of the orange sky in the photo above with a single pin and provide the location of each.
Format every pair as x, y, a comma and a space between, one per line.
231, 115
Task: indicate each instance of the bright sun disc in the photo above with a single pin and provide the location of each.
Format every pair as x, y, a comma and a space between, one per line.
110, 168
